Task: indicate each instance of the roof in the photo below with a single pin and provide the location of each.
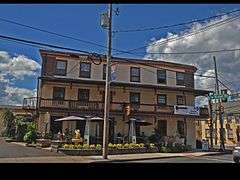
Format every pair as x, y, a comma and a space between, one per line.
121, 59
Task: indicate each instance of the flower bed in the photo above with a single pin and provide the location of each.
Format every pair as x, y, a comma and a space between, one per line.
97, 150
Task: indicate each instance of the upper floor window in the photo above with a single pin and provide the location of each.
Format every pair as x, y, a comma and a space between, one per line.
61, 68
134, 98
58, 93
161, 76
135, 74
83, 95
180, 100
85, 70
161, 99
104, 71
180, 78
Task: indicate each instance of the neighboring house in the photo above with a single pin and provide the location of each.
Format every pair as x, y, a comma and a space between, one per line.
231, 125
17, 110
70, 84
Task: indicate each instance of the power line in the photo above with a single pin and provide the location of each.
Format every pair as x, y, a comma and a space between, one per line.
43, 44
174, 25
217, 24
59, 35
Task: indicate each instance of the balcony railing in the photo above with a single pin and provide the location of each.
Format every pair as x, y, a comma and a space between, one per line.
75, 105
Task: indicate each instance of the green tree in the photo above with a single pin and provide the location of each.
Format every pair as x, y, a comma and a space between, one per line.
21, 127
31, 135
9, 123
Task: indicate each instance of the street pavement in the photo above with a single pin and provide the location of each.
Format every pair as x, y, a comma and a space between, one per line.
18, 153
221, 158
13, 150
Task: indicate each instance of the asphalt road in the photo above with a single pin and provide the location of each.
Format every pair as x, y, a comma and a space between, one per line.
224, 158
10, 150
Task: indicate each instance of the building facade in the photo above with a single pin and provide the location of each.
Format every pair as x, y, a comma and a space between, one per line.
73, 84
231, 115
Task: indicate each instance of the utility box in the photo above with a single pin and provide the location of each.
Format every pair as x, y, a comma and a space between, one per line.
104, 20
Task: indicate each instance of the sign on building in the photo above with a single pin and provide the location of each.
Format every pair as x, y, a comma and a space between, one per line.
187, 110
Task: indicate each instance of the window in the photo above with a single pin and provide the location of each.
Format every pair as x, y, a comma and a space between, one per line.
180, 128
180, 100
161, 76
58, 93
85, 70
134, 98
135, 74
180, 78
207, 133
237, 119
230, 133
161, 99
162, 128
104, 71
61, 68
83, 95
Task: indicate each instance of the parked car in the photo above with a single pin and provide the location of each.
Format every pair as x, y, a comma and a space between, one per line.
236, 154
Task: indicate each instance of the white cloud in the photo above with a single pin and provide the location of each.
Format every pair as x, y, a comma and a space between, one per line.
222, 37
14, 69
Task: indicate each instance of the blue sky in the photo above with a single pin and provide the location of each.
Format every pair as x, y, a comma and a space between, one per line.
83, 21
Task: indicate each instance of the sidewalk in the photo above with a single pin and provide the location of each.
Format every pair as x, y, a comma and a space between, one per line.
98, 159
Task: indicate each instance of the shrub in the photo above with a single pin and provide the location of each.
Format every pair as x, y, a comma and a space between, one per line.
85, 146
126, 146
9, 123
110, 146
141, 145
66, 146
31, 134
92, 146
98, 146
151, 145
119, 146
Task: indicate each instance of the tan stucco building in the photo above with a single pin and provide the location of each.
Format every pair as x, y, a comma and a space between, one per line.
73, 84
231, 125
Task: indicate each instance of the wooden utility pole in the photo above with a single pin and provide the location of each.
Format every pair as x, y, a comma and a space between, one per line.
107, 86
211, 124
222, 146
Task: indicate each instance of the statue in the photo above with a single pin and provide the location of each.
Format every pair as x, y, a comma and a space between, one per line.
77, 139
77, 134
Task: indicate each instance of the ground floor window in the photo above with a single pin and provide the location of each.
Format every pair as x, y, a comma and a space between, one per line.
230, 133
181, 128
162, 128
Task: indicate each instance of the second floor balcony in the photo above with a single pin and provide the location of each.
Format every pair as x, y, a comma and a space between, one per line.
92, 106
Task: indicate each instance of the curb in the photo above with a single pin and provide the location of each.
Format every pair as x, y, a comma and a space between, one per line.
149, 158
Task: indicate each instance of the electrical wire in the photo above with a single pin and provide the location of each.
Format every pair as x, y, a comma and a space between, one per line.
214, 25
174, 25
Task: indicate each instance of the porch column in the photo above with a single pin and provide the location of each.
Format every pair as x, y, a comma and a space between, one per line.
86, 132
132, 131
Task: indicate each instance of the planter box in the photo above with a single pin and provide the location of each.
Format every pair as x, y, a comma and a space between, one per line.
79, 152
55, 145
10, 140
43, 143
90, 152
153, 150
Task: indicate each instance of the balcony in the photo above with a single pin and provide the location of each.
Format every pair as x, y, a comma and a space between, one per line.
74, 105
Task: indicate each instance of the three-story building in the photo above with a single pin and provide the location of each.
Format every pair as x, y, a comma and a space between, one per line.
73, 84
